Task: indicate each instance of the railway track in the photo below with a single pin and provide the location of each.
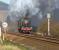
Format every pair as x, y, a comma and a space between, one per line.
33, 41
37, 37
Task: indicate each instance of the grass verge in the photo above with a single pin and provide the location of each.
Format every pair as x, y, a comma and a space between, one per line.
7, 45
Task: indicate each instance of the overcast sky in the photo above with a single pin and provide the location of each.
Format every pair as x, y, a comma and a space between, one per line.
56, 1
6, 1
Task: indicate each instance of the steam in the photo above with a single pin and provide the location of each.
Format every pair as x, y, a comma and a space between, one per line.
21, 8
31, 8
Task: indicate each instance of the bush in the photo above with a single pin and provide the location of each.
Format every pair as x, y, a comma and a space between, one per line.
54, 28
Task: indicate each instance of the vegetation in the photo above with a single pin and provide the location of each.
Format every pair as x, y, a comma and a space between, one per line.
54, 28
7, 45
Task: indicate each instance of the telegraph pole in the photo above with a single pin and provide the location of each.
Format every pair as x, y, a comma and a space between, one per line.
49, 16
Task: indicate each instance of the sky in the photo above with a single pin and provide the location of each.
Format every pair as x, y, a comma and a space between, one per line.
6, 1
57, 2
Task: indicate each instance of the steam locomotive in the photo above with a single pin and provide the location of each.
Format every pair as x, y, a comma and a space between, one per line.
24, 25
